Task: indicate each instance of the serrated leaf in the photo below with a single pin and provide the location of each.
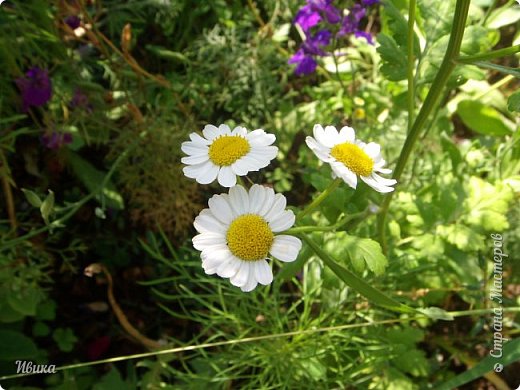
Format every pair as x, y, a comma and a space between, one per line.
461, 236
393, 57
482, 119
513, 102
33, 199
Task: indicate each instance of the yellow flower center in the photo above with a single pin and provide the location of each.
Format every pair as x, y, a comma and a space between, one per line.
227, 149
354, 158
249, 237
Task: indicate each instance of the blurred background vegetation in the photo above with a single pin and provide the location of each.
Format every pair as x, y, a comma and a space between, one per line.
100, 165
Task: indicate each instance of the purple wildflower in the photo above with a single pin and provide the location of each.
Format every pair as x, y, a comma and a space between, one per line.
36, 87
307, 18
56, 140
330, 12
364, 34
80, 100
72, 21
369, 3
311, 47
350, 23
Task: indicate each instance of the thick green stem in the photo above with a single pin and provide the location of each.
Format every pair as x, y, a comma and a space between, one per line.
320, 198
432, 99
411, 63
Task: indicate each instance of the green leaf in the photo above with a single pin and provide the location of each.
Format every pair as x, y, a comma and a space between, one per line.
487, 205
499, 68
46, 310
65, 339
513, 103
40, 329
510, 354
461, 236
162, 52
47, 207
482, 119
502, 17
368, 250
352, 280
393, 57
92, 179
25, 300
111, 381
32, 198
16, 346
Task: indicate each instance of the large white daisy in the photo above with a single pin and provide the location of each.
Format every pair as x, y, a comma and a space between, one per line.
350, 158
224, 153
238, 232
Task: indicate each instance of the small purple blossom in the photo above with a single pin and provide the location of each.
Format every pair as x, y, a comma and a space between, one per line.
35, 87
307, 18
72, 21
56, 140
311, 47
80, 100
330, 12
350, 23
366, 35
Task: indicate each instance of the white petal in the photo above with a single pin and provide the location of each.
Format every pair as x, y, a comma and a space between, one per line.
257, 195
221, 209
265, 153
332, 134
346, 174
210, 132
286, 248
242, 275
283, 222
384, 181
207, 240
259, 138
239, 200
320, 151
372, 149
195, 159
268, 202
206, 222
375, 185
347, 134
278, 206
207, 173
226, 177
224, 129
192, 171
251, 282
321, 137
239, 167
229, 268
263, 273
211, 261
198, 140
193, 149
383, 170
239, 130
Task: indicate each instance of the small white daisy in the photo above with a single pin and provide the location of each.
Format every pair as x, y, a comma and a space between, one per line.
349, 157
238, 232
224, 154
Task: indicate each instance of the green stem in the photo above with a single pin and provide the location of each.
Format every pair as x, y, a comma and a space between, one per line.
411, 62
431, 102
320, 198
508, 51
309, 229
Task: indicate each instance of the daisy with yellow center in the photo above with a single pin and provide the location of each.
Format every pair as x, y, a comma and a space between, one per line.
239, 231
224, 154
350, 158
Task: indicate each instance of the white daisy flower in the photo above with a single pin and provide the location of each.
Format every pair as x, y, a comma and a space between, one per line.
350, 158
238, 232
224, 154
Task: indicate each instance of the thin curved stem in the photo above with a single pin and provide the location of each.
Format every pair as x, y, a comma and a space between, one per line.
320, 198
431, 102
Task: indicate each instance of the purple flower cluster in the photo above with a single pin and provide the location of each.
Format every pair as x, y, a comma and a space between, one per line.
35, 87
344, 23
81, 101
